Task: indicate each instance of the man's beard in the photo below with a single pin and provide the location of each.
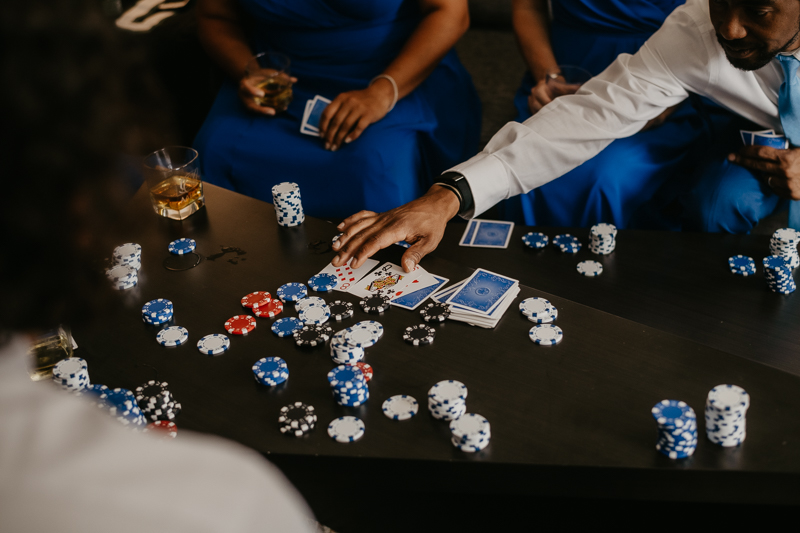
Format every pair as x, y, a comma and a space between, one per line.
758, 58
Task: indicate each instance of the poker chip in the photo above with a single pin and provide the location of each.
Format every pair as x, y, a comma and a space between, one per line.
308, 300
128, 254
297, 419
121, 274
535, 240
567, 243
590, 268
348, 385
778, 274
375, 303
341, 310
536, 307
287, 203
363, 334
256, 299
240, 324
435, 312
269, 309
214, 344
742, 265
165, 428
346, 429
400, 407
547, 318
172, 336
677, 428
291, 292
314, 314
156, 401
121, 404
546, 334
784, 243
323, 282
725, 414
283, 327
366, 369
72, 374
157, 308
343, 353
270, 371
602, 238
182, 246
447, 400
312, 335
471, 432
419, 334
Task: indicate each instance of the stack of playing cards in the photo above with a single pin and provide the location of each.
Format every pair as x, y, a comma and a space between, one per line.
487, 233
481, 299
313, 114
764, 138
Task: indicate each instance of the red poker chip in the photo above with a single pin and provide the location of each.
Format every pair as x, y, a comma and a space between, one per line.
240, 324
167, 427
366, 370
256, 299
270, 309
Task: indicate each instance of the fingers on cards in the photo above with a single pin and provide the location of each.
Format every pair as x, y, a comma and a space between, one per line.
313, 115
764, 138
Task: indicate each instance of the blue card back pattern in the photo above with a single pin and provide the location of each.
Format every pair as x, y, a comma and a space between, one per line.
317, 108
493, 234
483, 291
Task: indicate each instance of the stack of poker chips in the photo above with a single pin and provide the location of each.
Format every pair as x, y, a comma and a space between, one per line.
121, 404
778, 274
726, 408
271, 371
157, 312
538, 310
742, 265
72, 374
471, 433
156, 401
603, 238
349, 386
348, 345
784, 243
677, 428
288, 206
567, 243
127, 262
447, 400
312, 311
297, 419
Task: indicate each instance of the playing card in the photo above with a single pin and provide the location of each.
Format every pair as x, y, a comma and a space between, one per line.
492, 234
319, 103
466, 238
304, 127
747, 136
411, 300
388, 279
445, 293
482, 291
775, 141
346, 275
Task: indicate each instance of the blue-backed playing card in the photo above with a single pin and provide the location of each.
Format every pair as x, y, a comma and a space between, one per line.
466, 238
775, 141
412, 300
315, 114
482, 291
492, 234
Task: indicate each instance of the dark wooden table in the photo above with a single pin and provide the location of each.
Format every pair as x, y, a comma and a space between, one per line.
664, 320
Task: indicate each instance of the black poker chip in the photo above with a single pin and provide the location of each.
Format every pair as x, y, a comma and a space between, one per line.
419, 334
297, 419
435, 312
376, 303
313, 335
341, 310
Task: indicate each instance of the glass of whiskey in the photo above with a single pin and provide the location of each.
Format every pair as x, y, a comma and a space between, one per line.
173, 177
47, 350
269, 71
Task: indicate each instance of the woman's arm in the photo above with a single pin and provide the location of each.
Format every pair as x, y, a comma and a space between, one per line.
531, 20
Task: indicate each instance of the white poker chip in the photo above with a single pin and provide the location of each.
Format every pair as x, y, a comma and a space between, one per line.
299, 305
545, 319
470, 426
546, 334
346, 429
364, 334
447, 392
400, 407
214, 344
172, 336
590, 268
314, 314
122, 274
535, 307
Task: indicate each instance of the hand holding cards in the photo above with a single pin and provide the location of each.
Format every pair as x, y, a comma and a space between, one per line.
764, 138
313, 115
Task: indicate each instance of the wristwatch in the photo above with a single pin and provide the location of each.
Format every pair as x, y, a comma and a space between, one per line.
460, 186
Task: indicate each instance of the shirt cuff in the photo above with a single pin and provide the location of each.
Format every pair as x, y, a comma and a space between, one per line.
487, 179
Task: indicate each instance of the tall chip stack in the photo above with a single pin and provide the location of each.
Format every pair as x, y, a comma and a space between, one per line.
156, 401
447, 400
784, 243
348, 345
726, 409
603, 238
127, 262
288, 206
677, 428
348, 385
778, 274
72, 374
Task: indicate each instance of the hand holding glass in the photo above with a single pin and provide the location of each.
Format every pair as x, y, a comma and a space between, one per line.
269, 71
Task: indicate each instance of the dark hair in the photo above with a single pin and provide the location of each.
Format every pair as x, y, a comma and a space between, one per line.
74, 98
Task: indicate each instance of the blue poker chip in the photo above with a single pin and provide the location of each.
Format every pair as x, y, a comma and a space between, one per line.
182, 246
535, 240
157, 308
741, 262
284, 327
271, 370
323, 282
291, 292
672, 413
346, 376
775, 261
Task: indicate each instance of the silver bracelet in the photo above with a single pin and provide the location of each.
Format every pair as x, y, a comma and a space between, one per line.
394, 86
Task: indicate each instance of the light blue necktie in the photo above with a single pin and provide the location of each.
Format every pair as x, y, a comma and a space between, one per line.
789, 111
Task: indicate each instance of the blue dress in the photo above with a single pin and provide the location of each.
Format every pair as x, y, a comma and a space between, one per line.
337, 46
634, 182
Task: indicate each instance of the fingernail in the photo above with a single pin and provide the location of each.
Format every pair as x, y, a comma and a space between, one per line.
327, 146
336, 245
340, 226
334, 148
335, 258
409, 264
731, 157
348, 140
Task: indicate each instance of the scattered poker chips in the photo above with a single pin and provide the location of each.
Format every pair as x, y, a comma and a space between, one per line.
172, 336
784, 243
375, 303
314, 314
121, 404
363, 334
323, 282
256, 299
546, 334
288, 205
166, 428
590, 268
419, 334
346, 429
271, 371
341, 310
72, 374
535, 240
602, 238
366, 369
123, 277
567, 243
470, 432
677, 428
348, 385
292, 292
778, 275
214, 344
741, 265
435, 312
182, 246
726, 409
297, 419
129, 254
400, 407
312, 335
283, 327
269, 309
157, 312
447, 400
156, 401
240, 324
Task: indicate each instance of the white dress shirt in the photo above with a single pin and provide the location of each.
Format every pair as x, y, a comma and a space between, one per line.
683, 56
65, 467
